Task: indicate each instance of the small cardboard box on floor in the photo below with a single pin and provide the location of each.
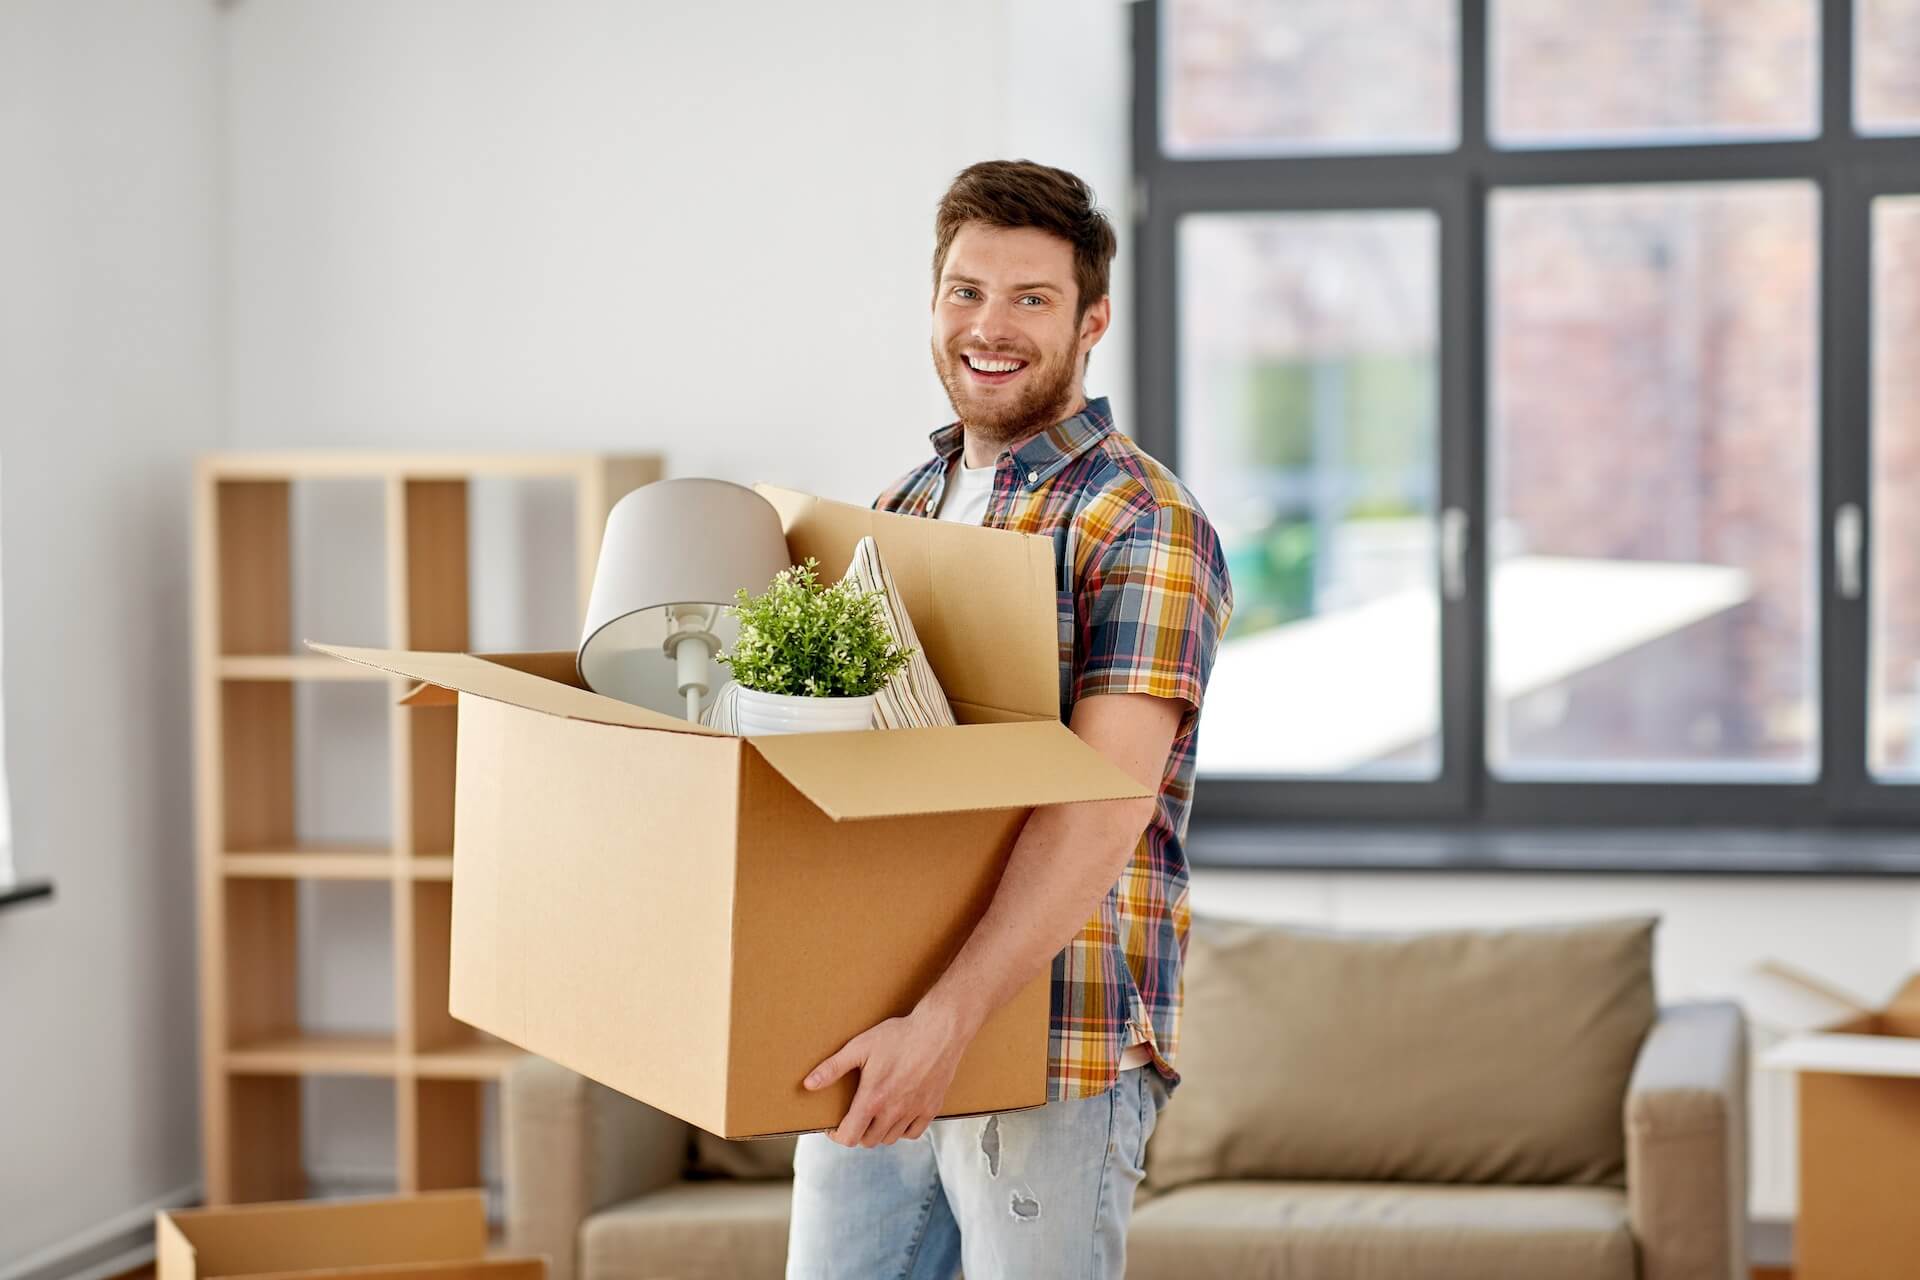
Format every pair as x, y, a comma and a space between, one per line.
696, 919
438, 1236
1859, 1095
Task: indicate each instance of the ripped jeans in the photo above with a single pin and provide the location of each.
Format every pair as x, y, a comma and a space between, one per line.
1039, 1193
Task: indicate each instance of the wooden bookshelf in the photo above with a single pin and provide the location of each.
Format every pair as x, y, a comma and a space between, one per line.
252, 861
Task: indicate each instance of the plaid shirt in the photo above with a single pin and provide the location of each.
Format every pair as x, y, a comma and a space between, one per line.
1143, 601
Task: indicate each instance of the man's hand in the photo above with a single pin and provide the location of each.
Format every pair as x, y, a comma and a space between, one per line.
906, 1065
1067, 858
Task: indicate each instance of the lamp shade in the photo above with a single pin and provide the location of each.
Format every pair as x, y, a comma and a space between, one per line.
672, 542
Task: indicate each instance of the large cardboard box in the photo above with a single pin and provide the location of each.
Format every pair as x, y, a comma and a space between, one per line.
697, 919
1859, 1094
438, 1236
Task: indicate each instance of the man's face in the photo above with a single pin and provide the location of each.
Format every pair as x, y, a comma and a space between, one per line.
1006, 297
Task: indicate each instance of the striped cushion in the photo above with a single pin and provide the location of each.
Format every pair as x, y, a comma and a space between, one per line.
913, 699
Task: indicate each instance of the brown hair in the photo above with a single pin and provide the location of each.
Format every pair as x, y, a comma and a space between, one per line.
1020, 193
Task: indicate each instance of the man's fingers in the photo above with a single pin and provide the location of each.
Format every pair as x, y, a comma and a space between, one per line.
898, 1131
854, 1125
919, 1126
851, 1055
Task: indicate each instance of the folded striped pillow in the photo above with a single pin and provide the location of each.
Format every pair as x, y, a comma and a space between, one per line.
913, 699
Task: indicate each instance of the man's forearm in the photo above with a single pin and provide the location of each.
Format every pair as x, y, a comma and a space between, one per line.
1065, 860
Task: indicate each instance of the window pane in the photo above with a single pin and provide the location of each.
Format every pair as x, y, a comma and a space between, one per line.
1653, 482
1887, 66
1567, 72
1894, 712
1277, 77
1307, 429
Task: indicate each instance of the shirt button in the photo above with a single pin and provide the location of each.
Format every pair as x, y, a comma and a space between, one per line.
1032, 476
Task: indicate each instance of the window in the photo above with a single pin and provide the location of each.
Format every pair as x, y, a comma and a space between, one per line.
1887, 84
1895, 708
1552, 375
1568, 73
1277, 76
1654, 475
1308, 349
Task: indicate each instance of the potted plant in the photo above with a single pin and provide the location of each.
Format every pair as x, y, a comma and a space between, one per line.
809, 659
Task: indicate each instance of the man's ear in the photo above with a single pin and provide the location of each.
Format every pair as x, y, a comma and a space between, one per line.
1093, 325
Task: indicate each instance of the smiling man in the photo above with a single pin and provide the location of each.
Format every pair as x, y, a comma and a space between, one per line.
1095, 893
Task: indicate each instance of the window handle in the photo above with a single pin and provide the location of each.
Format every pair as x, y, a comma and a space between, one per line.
1453, 553
1847, 528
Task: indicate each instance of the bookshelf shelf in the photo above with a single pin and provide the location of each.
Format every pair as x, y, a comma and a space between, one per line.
253, 861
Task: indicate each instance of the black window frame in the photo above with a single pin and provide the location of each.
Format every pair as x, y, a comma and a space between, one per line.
1849, 171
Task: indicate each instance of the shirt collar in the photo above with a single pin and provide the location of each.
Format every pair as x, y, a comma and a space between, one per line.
1040, 457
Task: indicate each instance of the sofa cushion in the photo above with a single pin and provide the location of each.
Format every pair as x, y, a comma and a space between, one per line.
691, 1231
1382, 1231
1457, 1056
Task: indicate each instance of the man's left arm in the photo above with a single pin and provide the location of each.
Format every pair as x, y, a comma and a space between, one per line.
1065, 860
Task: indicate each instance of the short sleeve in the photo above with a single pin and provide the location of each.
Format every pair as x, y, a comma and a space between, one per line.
1152, 608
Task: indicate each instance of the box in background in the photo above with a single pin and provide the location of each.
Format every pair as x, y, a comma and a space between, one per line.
1858, 1075
437, 1236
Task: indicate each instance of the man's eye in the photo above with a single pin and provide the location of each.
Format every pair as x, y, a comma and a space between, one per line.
1034, 297
962, 292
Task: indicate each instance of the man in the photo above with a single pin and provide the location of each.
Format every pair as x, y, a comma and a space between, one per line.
1098, 891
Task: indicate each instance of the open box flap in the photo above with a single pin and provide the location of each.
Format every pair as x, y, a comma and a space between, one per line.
983, 601
1787, 1001
888, 773
1853, 1055
557, 665
469, 674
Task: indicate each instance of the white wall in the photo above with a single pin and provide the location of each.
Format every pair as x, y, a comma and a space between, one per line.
108, 386
705, 229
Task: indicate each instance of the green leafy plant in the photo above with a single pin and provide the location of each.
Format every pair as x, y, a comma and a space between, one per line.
800, 638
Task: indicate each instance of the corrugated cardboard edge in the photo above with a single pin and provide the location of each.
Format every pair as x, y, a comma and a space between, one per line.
944, 1115
173, 1254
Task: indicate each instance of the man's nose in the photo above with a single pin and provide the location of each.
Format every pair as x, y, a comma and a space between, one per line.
993, 323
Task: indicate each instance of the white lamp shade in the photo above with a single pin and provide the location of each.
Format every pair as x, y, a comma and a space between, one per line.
671, 542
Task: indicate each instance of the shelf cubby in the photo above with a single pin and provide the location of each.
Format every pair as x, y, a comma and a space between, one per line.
320, 795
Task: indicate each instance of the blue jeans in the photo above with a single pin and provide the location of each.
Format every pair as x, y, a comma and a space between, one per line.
1039, 1193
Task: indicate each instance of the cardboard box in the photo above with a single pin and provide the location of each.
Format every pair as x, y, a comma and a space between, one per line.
697, 919
439, 1236
1859, 1095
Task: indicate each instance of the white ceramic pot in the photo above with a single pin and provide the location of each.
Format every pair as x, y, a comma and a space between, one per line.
759, 712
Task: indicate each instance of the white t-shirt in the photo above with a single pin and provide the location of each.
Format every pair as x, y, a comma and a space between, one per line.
968, 488
965, 501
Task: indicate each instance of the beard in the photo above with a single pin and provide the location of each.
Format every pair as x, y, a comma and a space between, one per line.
1045, 394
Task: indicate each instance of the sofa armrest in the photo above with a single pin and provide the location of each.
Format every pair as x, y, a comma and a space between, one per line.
1686, 1118
572, 1146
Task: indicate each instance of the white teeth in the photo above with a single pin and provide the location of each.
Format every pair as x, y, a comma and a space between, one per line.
993, 366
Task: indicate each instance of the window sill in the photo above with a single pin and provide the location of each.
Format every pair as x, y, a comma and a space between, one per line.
1690, 851
25, 891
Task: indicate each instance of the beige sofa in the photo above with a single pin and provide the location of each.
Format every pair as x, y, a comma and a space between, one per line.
1468, 1105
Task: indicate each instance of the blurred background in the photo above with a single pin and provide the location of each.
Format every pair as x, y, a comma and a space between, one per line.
1551, 371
